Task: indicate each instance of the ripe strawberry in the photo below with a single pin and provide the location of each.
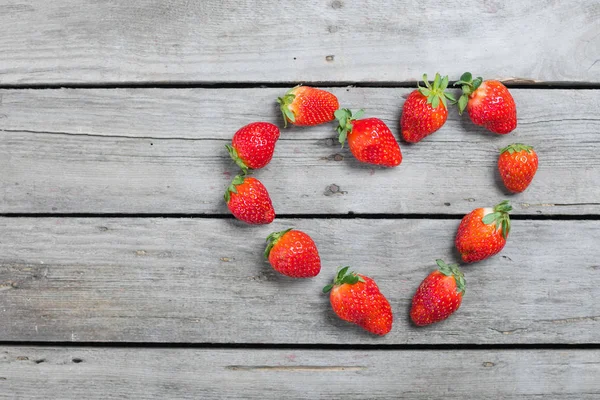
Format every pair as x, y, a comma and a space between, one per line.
425, 109
357, 299
439, 295
483, 232
370, 140
249, 201
489, 104
253, 145
517, 165
306, 106
293, 253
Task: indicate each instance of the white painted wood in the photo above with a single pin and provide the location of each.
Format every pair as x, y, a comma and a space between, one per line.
162, 151
73, 41
205, 281
115, 373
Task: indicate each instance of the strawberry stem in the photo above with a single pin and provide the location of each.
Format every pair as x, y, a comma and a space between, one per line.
284, 102
345, 118
436, 93
468, 86
500, 217
344, 276
516, 147
238, 180
455, 272
272, 239
234, 155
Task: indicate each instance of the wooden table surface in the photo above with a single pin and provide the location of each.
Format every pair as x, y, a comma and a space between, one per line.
122, 274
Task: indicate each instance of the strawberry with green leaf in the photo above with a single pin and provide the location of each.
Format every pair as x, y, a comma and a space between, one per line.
425, 110
483, 232
489, 104
356, 298
517, 165
253, 145
248, 200
293, 253
307, 106
369, 139
439, 295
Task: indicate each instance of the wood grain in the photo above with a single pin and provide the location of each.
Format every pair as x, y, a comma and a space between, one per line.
89, 41
162, 151
101, 373
205, 281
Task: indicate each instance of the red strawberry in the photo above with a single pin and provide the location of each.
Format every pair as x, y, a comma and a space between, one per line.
425, 109
249, 201
517, 165
293, 253
483, 232
306, 106
439, 295
357, 299
370, 140
253, 145
489, 104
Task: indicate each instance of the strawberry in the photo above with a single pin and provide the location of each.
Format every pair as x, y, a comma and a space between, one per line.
293, 253
489, 104
357, 299
517, 165
306, 106
439, 295
249, 201
369, 139
483, 232
425, 110
253, 145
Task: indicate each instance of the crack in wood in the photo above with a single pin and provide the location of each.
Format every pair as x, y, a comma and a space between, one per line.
297, 368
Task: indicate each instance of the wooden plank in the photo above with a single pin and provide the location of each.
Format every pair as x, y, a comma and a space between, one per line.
161, 151
116, 373
72, 41
205, 280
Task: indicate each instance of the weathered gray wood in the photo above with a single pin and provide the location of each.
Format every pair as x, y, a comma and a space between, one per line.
161, 151
105, 373
72, 41
204, 280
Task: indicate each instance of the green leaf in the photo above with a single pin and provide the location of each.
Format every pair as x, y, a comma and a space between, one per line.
450, 97
466, 77
444, 83
476, 83
358, 114
443, 99
327, 288
437, 81
490, 218
340, 113
436, 102
425, 92
462, 103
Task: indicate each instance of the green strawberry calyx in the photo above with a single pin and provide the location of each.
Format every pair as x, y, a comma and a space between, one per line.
516, 147
468, 86
235, 157
500, 217
284, 103
344, 276
436, 93
232, 188
453, 271
272, 239
345, 118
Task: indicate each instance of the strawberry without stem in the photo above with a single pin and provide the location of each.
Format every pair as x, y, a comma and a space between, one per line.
517, 165
489, 104
357, 299
293, 253
370, 140
482, 233
253, 145
425, 110
306, 106
249, 201
439, 295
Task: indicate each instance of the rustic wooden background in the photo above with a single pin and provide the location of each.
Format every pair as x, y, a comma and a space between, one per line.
122, 275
